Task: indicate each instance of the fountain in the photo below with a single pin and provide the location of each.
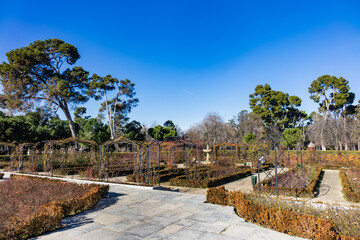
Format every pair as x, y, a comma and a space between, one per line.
207, 151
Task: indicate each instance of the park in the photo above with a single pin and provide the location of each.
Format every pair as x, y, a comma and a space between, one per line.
165, 121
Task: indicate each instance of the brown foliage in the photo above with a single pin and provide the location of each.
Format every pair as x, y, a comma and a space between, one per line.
207, 182
32, 206
277, 217
308, 191
347, 189
216, 195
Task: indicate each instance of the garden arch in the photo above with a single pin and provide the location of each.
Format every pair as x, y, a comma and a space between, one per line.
122, 157
70, 156
8, 154
180, 151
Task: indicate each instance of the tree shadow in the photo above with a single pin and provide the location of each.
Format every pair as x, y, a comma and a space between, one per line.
323, 190
82, 218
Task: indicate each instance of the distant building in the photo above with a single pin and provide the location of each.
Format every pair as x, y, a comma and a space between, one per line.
311, 146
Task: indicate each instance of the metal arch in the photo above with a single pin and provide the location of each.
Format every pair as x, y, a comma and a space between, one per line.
52, 144
11, 148
190, 152
137, 148
265, 146
216, 151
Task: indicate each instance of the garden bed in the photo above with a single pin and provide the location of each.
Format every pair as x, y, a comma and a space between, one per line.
165, 174
303, 183
212, 178
31, 206
350, 180
290, 217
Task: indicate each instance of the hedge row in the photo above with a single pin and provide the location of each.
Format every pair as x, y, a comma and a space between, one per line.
309, 191
209, 182
168, 173
49, 216
349, 193
289, 222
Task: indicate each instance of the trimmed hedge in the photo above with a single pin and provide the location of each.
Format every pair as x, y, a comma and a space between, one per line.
347, 190
309, 191
209, 182
289, 222
167, 174
48, 217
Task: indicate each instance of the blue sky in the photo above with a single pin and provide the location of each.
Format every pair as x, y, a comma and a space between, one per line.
188, 58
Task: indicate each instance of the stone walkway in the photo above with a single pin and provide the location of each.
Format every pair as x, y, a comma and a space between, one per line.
132, 212
244, 184
331, 190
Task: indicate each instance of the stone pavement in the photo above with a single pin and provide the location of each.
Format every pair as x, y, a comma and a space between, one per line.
244, 184
331, 190
142, 213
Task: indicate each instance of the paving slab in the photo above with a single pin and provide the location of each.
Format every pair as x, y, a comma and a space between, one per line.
143, 214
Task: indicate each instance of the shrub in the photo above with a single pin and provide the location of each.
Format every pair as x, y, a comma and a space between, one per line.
40, 206
209, 182
282, 220
284, 217
347, 190
216, 195
308, 191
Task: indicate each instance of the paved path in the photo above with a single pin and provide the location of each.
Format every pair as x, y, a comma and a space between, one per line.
132, 212
244, 184
331, 190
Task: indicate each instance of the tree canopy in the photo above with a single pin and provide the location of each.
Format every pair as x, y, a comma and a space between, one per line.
163, 132
117, 108
331, 93
40, 74
134, 131
277, 109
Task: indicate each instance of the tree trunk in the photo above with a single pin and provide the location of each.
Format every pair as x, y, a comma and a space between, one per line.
70, 121
345, 131
112, 135
324, 125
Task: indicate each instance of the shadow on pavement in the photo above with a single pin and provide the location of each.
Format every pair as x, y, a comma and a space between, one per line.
81, 218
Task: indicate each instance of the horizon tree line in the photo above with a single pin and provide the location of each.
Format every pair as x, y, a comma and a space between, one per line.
42, 77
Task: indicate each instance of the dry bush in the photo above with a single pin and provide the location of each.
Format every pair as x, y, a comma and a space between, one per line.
291, 217
31, 206
350, 189
304, 186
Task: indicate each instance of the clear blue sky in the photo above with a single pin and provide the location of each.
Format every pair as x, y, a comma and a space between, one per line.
188, 58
